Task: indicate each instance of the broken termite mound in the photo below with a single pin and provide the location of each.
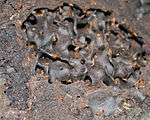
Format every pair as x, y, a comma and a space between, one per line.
83, 45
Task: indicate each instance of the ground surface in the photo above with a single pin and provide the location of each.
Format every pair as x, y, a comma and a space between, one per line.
24, 96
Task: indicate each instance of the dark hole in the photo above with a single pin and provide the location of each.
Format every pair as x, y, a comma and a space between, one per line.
78, 96
139, 40
116, 22
69, 19
5, 92
81, 25
136, 68
49, 81
82, 61
102, 48
114, 55
39, 11
64, 61
108, 23
65, 82
106, 13
114, 32
123, 81
77, 8
139, 55
88, 40
23, 26
144, 53
71, 48
32, 19
55, 23
39, 67
65, 4
61, 68
45, 55
87, 77
13, 24
107, 81
123, 28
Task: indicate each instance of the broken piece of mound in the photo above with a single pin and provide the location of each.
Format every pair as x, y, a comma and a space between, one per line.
83, 45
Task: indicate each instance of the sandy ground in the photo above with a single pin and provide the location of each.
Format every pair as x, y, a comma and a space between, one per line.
27, 97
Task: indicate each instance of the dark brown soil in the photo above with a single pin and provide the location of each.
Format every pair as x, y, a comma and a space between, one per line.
28, 96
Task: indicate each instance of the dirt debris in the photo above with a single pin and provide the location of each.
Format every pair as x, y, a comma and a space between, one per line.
25, 95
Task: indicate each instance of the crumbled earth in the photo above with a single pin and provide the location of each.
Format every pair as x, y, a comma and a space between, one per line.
74, 60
